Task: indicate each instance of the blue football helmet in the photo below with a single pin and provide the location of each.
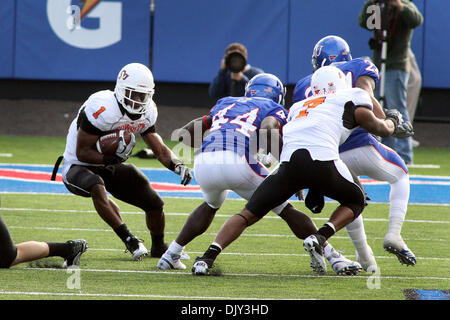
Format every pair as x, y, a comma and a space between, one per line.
329, 50
266, 85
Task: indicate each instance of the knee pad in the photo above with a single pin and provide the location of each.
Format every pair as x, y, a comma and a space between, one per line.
357, 208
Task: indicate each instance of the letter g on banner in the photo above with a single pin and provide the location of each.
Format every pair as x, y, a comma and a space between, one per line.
109, 29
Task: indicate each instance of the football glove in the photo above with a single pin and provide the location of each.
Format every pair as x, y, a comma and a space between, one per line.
403, 130
184, 172
266, 159
124, 150
314, 201
394, 116
348, 117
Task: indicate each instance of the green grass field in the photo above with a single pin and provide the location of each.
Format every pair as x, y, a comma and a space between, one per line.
267, 262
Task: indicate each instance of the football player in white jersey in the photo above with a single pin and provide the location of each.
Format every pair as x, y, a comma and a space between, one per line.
89, 173
310, 159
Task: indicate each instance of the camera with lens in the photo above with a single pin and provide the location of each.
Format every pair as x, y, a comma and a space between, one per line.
387, 12
235, 61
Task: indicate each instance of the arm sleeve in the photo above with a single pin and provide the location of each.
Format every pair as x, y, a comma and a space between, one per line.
280, 114
217, 88
300, 89
363, 15
239, 89
410, 15
361, 98
151, 129
86, 125
364, 68
253, 71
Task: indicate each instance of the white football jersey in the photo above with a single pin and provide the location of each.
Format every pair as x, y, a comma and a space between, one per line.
103, 112
316, 124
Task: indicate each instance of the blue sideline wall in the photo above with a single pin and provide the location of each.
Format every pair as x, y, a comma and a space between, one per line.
190, 37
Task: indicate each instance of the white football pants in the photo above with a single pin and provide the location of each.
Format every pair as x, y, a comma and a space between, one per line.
368, 161
219, 171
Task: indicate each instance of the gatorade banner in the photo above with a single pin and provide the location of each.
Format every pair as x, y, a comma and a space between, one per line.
80, 40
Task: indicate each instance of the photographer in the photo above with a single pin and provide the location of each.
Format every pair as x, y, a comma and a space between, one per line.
398, 19
234, 73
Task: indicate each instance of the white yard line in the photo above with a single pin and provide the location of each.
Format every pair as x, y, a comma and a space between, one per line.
186, 214
277, 254
200, 198
187, 273
262, 235
140, 296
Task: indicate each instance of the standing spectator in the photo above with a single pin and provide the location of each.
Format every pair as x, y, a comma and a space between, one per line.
403, 16
234, 73
413, 91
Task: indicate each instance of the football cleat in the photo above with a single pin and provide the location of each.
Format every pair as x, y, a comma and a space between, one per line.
343, 266
78, 247
170, 260
367, 259
184, 256
136, 247
315, 249
394, 244
158, 250
201, 266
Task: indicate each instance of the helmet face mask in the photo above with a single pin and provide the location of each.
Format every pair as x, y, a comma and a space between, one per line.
266, 85
136, 101
134, 88
328, 50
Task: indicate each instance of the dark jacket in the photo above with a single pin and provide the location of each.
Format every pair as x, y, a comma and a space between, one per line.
222, 86
400, 30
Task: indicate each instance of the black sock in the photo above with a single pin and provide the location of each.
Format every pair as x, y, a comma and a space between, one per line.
122, 232
157, 240
326, 231
59, 249
212, 252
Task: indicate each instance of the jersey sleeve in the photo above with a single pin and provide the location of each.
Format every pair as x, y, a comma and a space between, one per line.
302, 88
362, 67
100, 114
293, 111
280, 114
151, 115
360, 97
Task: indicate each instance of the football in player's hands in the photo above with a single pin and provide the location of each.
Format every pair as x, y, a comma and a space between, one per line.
108, 143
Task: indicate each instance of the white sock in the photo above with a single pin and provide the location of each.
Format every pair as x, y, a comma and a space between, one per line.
217, 245
175, 248
357, 233
398, 198
327, 251
331, 225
